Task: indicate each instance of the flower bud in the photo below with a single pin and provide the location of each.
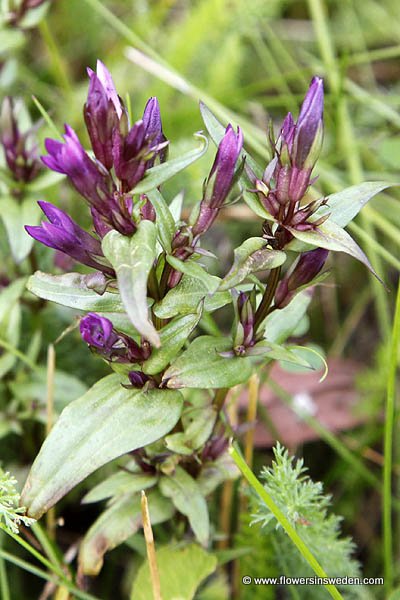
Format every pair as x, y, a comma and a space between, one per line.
308, 267
308, 136
102, 112
98, 332
138, 379
221, 179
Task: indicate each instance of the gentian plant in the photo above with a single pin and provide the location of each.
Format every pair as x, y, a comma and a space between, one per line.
147, 300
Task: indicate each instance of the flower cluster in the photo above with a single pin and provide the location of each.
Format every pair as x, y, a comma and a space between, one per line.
20, 149
122, 154
288, 176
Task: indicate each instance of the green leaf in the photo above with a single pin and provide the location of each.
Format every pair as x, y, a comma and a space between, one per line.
196, 431
201, 366
119, 484
192, 268
157, 175
282, 323
331, 236
165, 221
181, 572
173, 337
132, 259
106, 422
188, 500
121, 520
252, 256
345, 205
216, 472
9, 296
15, 215
72, 290
184, 298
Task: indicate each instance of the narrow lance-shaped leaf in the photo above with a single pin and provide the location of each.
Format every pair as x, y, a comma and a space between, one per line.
252, 256
160, 173
132, 259
345, 205
331, 236
121, 520
118, 484
106, 422
188, 499
202, 366
165, 221
72, 289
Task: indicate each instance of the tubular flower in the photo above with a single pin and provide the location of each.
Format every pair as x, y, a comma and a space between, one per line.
137, 150
221, 179
102, 113
308, 267
217, 187
113, 345
63, 234
87, 176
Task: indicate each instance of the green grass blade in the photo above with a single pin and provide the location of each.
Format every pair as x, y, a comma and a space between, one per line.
388, 449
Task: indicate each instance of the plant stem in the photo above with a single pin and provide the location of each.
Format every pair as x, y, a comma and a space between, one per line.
254, 386
269, 294
283, 521
219, 398
4, 586
388, 449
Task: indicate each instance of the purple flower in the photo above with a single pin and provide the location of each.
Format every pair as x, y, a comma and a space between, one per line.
137, 151
20, 150
138, 379
154, 133
220, 180
88, 177
288, 175
309, 127
98, 332
113, 345
246, 308
63, 234
102, 112
308, 267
